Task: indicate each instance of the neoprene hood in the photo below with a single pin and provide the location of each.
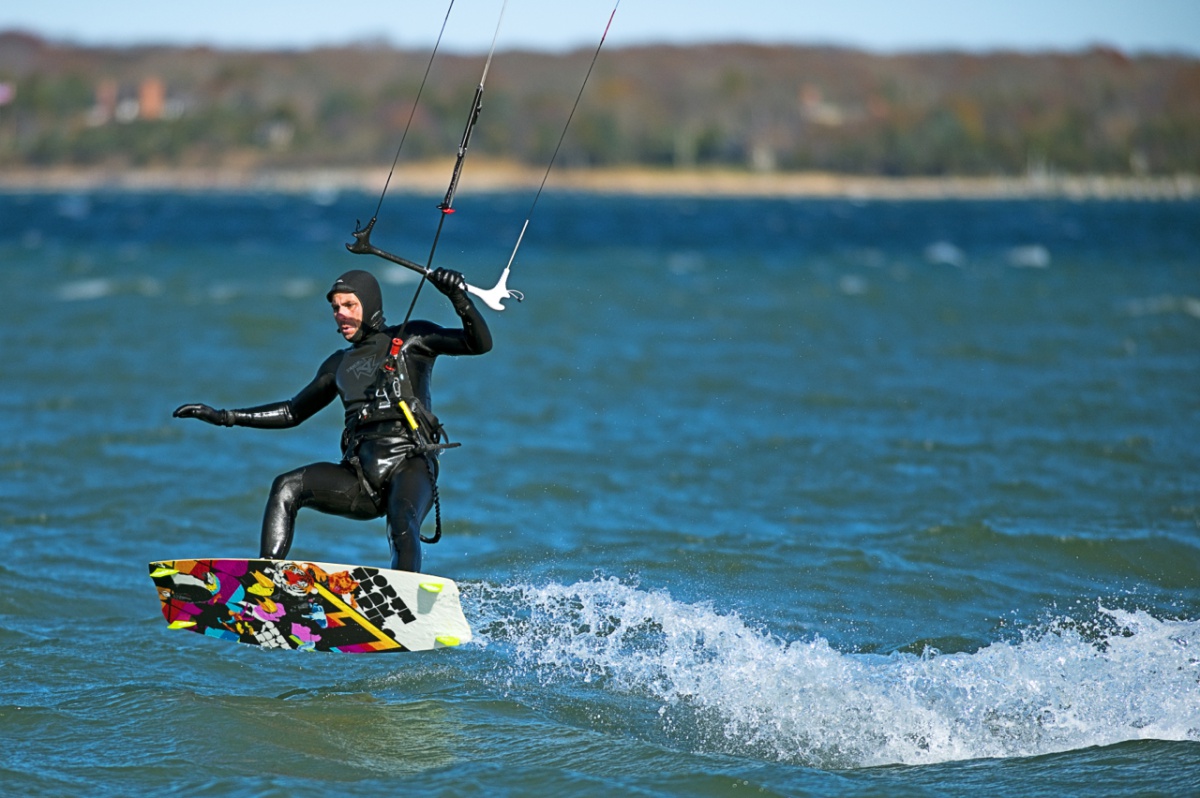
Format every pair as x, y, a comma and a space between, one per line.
363, 285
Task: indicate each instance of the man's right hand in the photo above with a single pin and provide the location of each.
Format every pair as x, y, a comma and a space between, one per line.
204, 413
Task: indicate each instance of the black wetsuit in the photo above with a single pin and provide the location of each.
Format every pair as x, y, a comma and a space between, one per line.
384, 469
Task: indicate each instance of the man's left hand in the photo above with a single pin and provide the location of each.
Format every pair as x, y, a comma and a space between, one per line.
448, 281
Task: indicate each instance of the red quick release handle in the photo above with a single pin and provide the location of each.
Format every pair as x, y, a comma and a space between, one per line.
396, 344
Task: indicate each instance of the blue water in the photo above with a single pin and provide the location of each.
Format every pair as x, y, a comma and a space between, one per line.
777, 497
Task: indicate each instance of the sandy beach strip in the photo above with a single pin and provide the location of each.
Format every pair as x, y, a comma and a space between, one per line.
491, 176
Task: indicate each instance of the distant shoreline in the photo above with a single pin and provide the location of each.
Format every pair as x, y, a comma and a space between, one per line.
498, 177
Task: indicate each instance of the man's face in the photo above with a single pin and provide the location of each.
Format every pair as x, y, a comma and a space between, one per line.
347, 314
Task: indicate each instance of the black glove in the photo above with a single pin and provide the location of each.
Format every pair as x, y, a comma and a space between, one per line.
222, 418
449, 282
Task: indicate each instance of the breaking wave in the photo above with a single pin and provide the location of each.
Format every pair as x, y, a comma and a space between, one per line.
725, 686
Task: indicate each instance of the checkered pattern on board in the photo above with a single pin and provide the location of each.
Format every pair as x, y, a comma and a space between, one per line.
269, 636
377, 599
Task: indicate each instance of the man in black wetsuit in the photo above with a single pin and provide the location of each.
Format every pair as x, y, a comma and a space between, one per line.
391, 441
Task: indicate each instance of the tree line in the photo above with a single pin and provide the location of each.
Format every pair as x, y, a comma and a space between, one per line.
765, 108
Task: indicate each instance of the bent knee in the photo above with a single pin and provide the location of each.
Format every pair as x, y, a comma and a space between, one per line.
288, 487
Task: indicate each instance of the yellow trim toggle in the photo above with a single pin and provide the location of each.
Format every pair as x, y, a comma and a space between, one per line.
412, 422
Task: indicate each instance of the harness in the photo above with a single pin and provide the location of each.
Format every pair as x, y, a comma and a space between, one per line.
395, 411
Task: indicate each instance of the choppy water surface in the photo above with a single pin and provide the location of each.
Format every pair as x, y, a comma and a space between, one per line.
794, 497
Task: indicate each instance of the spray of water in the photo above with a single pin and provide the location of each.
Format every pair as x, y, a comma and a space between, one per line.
725, 686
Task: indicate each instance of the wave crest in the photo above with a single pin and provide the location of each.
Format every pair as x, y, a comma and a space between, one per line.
726, 686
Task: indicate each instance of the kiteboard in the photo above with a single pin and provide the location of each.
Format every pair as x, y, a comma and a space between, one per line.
311, 606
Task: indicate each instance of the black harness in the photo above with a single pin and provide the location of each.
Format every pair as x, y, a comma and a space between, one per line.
394, 411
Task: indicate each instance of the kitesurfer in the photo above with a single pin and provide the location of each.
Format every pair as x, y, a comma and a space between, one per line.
392, 439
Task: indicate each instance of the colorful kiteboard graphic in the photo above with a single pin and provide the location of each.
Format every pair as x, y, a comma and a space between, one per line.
312, 606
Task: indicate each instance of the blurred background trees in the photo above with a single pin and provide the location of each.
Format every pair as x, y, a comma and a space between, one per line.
749, 107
